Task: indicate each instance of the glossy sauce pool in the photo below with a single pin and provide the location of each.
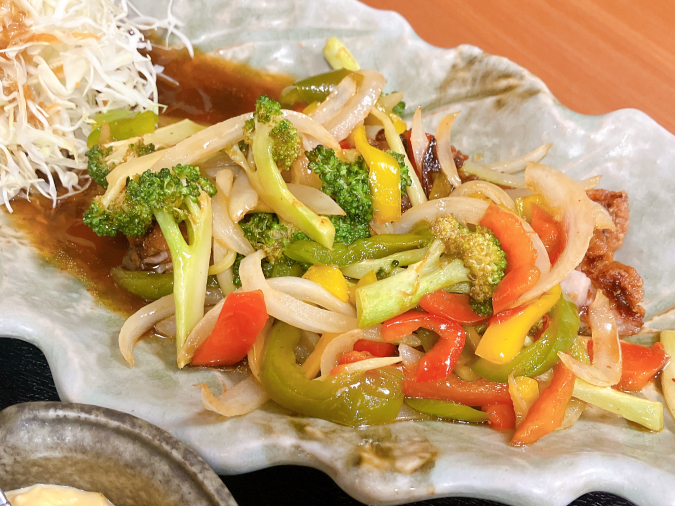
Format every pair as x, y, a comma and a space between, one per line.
205, 89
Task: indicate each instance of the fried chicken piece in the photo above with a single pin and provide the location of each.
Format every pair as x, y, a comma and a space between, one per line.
150, 252
621, 283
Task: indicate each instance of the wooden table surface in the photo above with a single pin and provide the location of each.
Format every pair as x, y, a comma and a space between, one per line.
596, 56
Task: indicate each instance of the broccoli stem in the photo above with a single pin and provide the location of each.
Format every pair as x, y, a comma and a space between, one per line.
190, 263
392, 296
276, 194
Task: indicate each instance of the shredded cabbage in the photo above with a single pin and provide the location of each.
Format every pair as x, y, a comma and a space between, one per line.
64, 61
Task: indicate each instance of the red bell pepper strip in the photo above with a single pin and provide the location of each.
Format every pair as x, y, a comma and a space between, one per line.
470, 393
375, 348
521, 271
240, 321
549, 231
442, 358
548, 411
639, 364
500, 416
454, 306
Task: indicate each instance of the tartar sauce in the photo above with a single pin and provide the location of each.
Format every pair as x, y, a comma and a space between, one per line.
55, 495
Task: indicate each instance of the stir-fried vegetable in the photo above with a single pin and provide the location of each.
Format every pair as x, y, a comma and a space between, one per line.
346, 290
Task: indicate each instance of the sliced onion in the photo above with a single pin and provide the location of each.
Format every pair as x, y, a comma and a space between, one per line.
590, 183
316, 200
243, 198
243, 398
369, 364
601, 217
142, 321
254, 354
307, 290
492, 176
344, 343
308, 126
575, 286
335, 101
408, 414
491, 191
302, 174
444, 149
225, 231
225, 261
198, 335
573, 209
358, 107
415, 191
225, 278
519, 164
167, 327
605, 370
409, 356
205, 143
573, 411
388, 102
465, 209
419, 142
287, 308
667, 338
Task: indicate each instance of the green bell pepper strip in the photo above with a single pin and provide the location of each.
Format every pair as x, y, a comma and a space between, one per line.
373, 397
313, 89
342, 255
149, 285
542, 355
448, 410
123, 125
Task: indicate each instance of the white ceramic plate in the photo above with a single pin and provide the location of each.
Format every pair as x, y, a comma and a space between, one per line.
506, 111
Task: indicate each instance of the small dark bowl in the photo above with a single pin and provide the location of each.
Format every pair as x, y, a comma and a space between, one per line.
130, 461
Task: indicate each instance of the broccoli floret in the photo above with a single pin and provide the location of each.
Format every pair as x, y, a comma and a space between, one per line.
97, 166
479, 250
399, 108
170, 196
264, 232
139, 149
483, 308
286, 142
347, 184
405, 175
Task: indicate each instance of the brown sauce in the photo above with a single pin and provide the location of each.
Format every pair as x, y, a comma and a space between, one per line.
209, 90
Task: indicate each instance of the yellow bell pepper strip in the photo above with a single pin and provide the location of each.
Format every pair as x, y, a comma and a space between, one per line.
524, 392
331, 278
384, 179
667, 339
279, 197
534, 359
447, 410
504, 339
312, 365
354, 399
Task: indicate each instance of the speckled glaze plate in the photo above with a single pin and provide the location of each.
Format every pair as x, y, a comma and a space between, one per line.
506, 111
